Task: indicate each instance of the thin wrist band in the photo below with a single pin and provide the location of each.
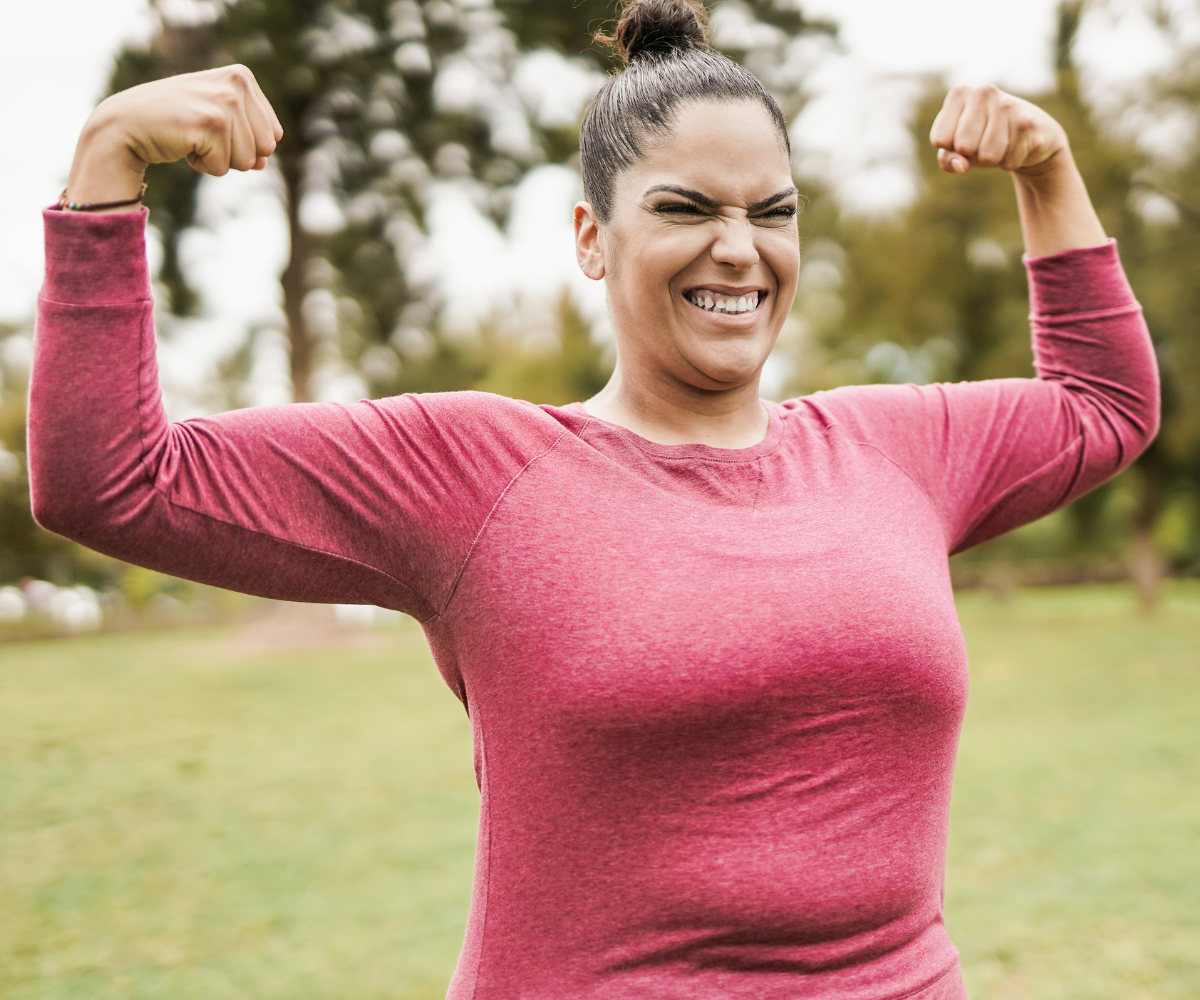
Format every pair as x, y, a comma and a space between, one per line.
78, 206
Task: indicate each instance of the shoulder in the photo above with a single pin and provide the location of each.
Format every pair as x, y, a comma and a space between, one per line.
482, 421
857, 408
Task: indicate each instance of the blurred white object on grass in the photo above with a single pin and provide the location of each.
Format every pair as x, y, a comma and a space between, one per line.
76, 609
12, 606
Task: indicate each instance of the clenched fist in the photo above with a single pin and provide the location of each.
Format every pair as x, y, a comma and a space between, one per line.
985, 127
217, 120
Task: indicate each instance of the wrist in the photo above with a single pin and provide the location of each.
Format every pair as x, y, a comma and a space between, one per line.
1051, 172
105, 168
1056, 212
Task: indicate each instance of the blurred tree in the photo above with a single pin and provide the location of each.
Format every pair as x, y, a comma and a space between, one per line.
569, 368
353, 84
1166, 195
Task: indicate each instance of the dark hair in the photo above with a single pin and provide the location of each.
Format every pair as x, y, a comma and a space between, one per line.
664, 44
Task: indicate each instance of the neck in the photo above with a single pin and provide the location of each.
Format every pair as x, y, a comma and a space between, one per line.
669, 412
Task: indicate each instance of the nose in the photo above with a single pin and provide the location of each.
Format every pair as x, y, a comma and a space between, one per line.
734, 245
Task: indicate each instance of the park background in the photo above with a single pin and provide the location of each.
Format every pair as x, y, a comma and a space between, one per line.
212, 796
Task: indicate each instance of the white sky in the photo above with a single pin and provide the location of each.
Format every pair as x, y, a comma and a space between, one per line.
54, 58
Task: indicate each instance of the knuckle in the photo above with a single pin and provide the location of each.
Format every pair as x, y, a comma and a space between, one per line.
211, 119
989, 89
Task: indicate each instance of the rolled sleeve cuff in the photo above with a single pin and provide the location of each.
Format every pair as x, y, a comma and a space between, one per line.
96, 259
1088, 280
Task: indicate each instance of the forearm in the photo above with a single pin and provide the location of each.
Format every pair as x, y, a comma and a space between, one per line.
1056, 211
1089, 337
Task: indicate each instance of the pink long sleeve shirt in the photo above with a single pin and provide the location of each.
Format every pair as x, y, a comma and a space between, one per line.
715, 694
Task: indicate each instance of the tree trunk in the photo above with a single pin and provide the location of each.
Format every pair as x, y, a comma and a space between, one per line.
1146, 565
294, 282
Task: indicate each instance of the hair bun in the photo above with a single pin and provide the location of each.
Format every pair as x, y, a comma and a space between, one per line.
661, 26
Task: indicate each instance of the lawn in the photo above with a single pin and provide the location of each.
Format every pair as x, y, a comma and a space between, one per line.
185, 815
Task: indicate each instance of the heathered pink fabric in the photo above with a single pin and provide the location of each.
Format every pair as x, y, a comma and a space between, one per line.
715, 694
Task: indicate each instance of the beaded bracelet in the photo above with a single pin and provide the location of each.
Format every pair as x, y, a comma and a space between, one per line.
78, 206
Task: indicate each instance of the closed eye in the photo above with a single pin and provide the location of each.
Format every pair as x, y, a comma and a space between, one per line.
780, 212
680, 208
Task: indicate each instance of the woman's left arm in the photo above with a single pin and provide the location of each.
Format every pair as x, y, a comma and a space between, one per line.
993, 455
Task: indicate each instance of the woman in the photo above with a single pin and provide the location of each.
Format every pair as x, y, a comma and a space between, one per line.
707, 643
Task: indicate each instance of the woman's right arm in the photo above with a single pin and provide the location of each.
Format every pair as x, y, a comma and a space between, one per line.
376, 502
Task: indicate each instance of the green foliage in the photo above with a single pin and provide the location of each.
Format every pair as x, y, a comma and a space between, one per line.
564, 27
568, 368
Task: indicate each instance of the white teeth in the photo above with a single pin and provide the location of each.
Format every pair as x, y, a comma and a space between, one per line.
730, 304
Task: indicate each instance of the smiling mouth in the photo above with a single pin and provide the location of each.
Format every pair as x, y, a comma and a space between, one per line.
725, 302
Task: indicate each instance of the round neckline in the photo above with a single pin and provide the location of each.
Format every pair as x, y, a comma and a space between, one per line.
696, 450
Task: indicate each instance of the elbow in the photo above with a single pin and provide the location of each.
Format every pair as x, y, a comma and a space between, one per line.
60, 500
1151, 421
1142, 425
51, 510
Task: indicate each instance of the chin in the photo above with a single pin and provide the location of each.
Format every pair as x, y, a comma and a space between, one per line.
728, 367
725, 376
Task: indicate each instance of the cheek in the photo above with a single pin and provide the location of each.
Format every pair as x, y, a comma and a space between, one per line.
783, 257
643, 265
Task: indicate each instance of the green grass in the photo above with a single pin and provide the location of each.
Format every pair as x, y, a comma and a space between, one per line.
182, 816
1075, 835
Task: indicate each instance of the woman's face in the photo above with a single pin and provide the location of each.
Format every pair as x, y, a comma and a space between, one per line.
701, 252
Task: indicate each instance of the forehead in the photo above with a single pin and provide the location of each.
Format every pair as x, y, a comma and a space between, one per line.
729, 150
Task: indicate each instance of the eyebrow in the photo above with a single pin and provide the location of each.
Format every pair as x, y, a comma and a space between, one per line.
707, 202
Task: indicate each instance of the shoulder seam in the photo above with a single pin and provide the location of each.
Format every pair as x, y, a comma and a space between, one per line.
832, 424
487, 520
907, 475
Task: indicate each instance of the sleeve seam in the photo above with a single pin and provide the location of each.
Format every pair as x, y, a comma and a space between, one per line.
953, 543
148, 299
1112, 312
991, 508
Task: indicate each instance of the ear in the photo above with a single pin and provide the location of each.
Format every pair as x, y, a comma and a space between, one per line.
589, 249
